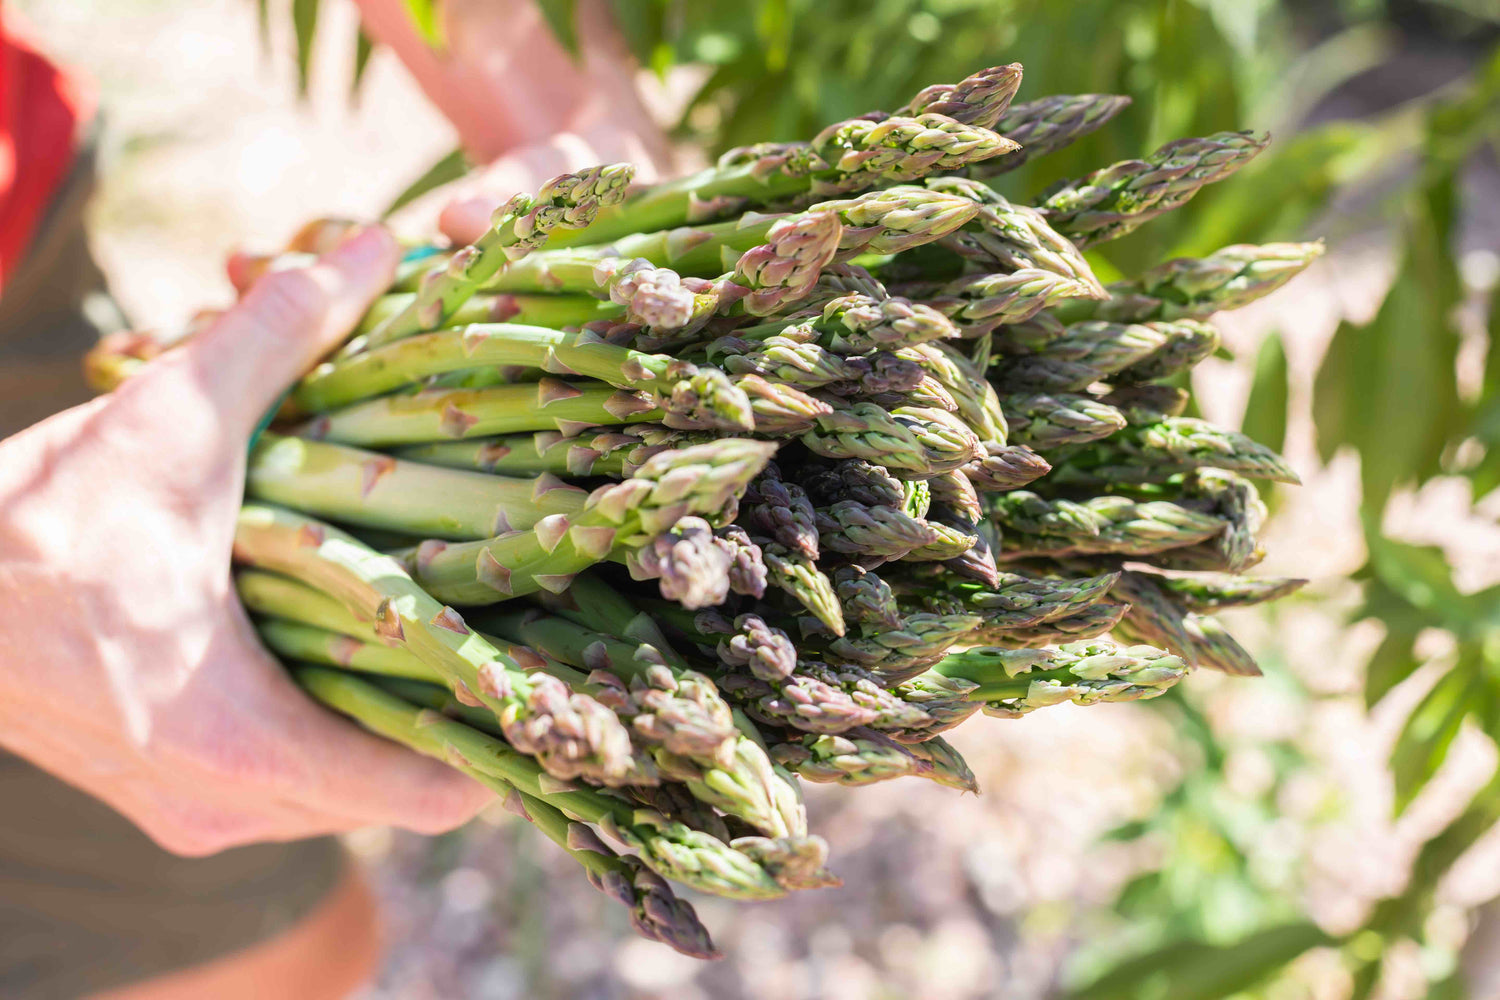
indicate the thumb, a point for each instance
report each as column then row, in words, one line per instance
column 287, row 321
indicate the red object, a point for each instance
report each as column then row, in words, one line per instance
column 41, row 108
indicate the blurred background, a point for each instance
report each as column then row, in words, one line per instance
column 1323, row 832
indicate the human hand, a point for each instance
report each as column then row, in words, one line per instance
column 127, row 666
column 508, row 86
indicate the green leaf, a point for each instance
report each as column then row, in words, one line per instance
column 1391, row 663
column 449, row 168
column 429, row 24
column 1430, row 730
column 305, row 26
column 1192, row 970
column 1266, row 407
column 562, row 18
column 1390, row 388
column 364, row 46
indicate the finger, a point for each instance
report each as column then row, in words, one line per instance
column 287, row 321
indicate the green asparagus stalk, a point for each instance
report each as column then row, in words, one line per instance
column 792, row 572
column 863, row 757
column 1006, row 468
column 1088, row 352
column 895, row 654
column 569, row 201
column 918, row 441
column 655, row 912
column 1197, row 287
column 704, row 399
column 1013, row 682
column 1120, row 525
column 581, row 354
column 1188, row 342
column 1008, row 237
column 1117, row 199
column 1047, row 125
column 701, row 481
column 979, row 99
column 671, row 850
column 1154, row 452
column 818, row 698
column 1147, row 403
column 847, row 157
column 1155, row 617
column 1050, row 420
column 1213, row 647
column 617, row 452
column 556, row 311
column 780, row 511
column 979, row 303
column 1014, row 600
column 873, row 532
column 857, row 323
column 1237, row 502
column 977, row 401
column 1207, row 593
column 277, row 596
column 570, row 734
column 367, row 488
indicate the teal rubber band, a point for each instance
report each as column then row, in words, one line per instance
column 420, row 253
column 265, row 420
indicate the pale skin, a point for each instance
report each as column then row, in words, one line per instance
column 127, row 666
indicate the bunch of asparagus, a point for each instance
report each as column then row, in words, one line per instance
column 890, row 451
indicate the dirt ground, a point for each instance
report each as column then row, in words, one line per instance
column 206, row 148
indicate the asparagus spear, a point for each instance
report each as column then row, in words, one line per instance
column 570, row 734
column 1188, row 342
column 1115, row 200
column 918, row 441
column 977, row 401
column 584, row 353
column 1006, row 468
column 863, row 757
column 1197, row 287
column 978, row 99
column 672, row 850
column 1206, row 593
column 1013, row 682
column 1008, row 237
column 1237, row 502
column 704, row 399
column 780, row 511
column 847, row 157
column 979, row 303
column 1119, row 525
column 1049, row 420
column 371, row 489
column 616, row 452
column 797, row 575
column 655, row 912
column 1090, row 351
column 857, row 323
column 1047, row 125
column 702, row 480
column 1154, row 452
column 569, row 201
column 556, row 311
